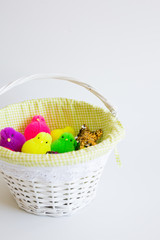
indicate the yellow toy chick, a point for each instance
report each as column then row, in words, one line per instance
column 38, row 145
column 58, row 132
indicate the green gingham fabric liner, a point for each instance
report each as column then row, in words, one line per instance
column 59, row 113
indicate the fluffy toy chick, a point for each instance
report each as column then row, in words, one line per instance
column 56, row 133
column 36, row 126
column 38, row 145
column 66, row 143
column 11, row 139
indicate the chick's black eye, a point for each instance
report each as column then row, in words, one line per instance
column 71, row 140
column 62, row 136
column 12, row 135
column 47, row 142
column 38, row 137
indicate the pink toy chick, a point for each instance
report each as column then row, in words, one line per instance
column 36, row 126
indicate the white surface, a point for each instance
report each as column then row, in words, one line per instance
column 114, row 46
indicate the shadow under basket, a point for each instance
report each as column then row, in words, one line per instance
column 59, row 184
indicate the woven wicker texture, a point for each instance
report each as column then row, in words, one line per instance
column 51, row 199
column 59, row 113
column 53, row 191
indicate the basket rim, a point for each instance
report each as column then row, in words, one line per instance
column 51, row 159
column 54, row 98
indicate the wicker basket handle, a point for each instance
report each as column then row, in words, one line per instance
column 50, row 76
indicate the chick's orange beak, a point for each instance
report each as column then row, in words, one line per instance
column 37, row 119
column 8, row 139
column 66, row 139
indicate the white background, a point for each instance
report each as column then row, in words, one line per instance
column 114, row 46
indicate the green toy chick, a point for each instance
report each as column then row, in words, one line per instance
column 65, row 143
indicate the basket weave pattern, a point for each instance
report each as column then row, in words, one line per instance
column 51, row 199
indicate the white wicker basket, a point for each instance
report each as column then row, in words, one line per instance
column 62, row 192
column 54, row 191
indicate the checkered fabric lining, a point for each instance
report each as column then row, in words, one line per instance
column 59, row 113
